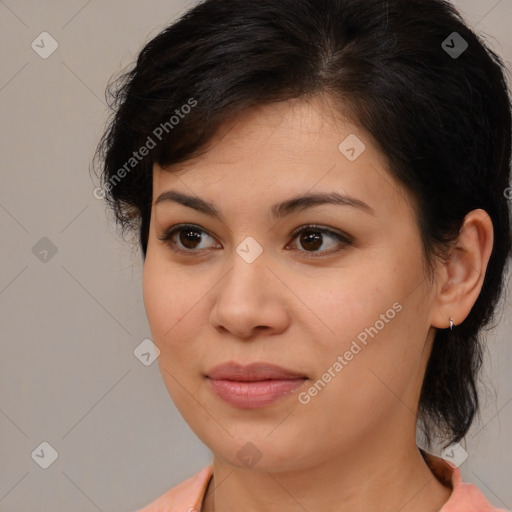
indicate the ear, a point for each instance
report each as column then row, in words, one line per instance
column 461, row 275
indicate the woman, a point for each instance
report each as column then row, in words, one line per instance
column 319, row 189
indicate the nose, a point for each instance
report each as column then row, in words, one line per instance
column 250, row 300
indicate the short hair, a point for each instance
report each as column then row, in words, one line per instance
column 400, row 69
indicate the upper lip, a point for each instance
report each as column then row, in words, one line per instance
column 252, row 372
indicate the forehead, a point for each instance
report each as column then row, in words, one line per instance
column 285, row 148
column 291, row 128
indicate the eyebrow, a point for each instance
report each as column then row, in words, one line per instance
column 278, row 210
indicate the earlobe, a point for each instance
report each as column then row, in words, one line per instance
column 462, row 272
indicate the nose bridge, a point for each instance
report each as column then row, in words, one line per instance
column 249, row 266
column 249, row 250
column 246, row 297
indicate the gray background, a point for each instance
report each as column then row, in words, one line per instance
column 69, row 325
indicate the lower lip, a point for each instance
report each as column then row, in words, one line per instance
column 255, row 394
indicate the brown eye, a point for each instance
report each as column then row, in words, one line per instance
column 188, row 238
column 312, row 238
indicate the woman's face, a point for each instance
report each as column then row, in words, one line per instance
column 348, row 320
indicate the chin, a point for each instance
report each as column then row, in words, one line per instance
column 269, row 453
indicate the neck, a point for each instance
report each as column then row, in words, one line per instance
column 397, row 480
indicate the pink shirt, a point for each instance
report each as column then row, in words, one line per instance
column 188, row 496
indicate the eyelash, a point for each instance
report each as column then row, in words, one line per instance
column 167, row 236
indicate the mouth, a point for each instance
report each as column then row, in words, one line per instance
column 253, row 386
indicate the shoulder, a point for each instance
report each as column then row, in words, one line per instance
column 469, row 497
column 465, row 496
column 185, row 497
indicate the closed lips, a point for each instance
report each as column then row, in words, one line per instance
column 252, row 372
column 253, row 386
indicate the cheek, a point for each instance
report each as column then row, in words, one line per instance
column 370, row 336
column 169, row 304
column 344, row 309
column 160, row 310
column 170, row 308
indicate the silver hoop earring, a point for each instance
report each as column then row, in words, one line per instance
column 451, row 324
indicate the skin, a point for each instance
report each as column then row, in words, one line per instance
column 353, row 446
